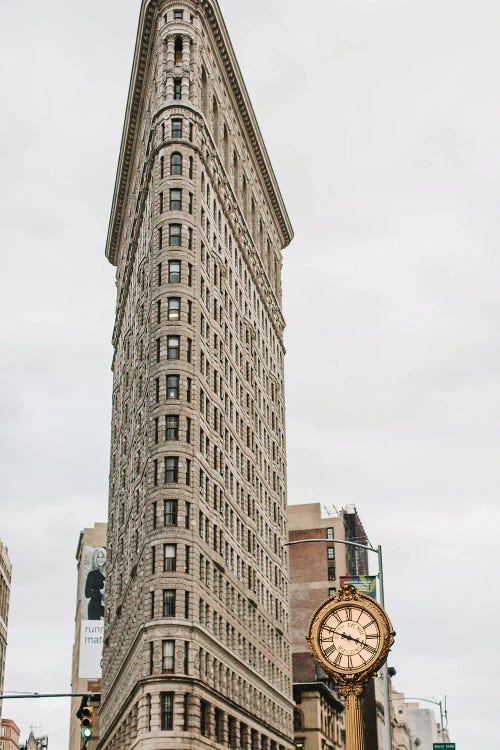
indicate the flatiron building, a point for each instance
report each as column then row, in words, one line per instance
column 197, row 644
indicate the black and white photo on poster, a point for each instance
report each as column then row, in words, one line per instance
column 93, row 582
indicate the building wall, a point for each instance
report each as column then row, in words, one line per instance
column 5, row 581
column 92, row 537
column 9, row 735
column 197, row 502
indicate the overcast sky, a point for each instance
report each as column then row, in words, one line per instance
column 382, row 120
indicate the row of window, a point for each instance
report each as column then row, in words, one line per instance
column 174, row 310
column 214, row 724
column 171, row 428
column 173, row 388
column 174, row 273
column 175, row 236
column 175, row 201
column 174, row 348
column 171, row 470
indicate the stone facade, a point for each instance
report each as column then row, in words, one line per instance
column 196, row 650
column 5, row 579
column 92, row 537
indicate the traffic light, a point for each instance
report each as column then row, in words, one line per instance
column 87, row 721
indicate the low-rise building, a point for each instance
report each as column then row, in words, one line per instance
column 5, row 579
column 9, row 735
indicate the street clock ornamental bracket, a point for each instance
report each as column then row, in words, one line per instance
column 350, row 636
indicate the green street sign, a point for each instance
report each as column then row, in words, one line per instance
column 443, row 746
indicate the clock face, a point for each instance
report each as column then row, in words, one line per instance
column 349, row 638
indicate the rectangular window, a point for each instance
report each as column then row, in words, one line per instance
column 158, row 349
column 329, row 533
column 167, row 711
column 186, row 605
column 177, row 128
column 175, row 235
column 218, row 726
column 157, row 390
column 189, row 349
column 189, row 390
column 203, row 718
column 331, row 553
column 186, row 657
column 173, row 347
column 168, row 656
column 191, row 130
column 162, row 167
column 188, row 515
column 190, row 239
column 190, row 274
column 153, row 559
column 188, row 430
column 170, row 557
column 178, row 15
column 151, row 658
column 174, row 271
column 188, row 559
column 171, row 512
column 175, row 199
column 169, row 603
column 161, row 202
column 189, row 312
column 190, row 204
column 171, row 469
column 152, row 604
column 188, row 471
column 172, row 386
column 160, row 237
column 159, row 274
column 174, row 308
column 177, row 92
column 331, row 573
column 171, row 427
column 332, row 591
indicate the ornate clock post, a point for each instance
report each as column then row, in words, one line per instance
column 350, row 636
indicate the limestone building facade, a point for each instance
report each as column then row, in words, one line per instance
column 5, row 580
column 196, row 649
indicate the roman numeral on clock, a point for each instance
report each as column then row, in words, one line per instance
column 329, row 650
column 370, row 649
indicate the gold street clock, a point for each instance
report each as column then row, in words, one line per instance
column 350, row 636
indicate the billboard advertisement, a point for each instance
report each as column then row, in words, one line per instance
column 93, row 578
column 366, row 584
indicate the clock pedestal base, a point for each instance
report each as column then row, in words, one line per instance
column 354, row 729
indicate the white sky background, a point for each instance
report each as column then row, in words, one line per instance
column 383, row 124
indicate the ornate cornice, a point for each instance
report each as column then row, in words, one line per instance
column 142, row 52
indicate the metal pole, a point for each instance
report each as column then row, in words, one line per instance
column 441, row 730
column 385, row 672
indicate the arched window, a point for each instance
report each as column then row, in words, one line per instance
column 204, row 91
column 178, row 50
column 176, row 163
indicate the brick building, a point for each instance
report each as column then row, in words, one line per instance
column 196, row 650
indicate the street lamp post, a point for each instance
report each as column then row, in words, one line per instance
column 442, row 713
column 385, row 674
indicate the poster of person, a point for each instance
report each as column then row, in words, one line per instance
column 93, row 566
column 93, row 578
